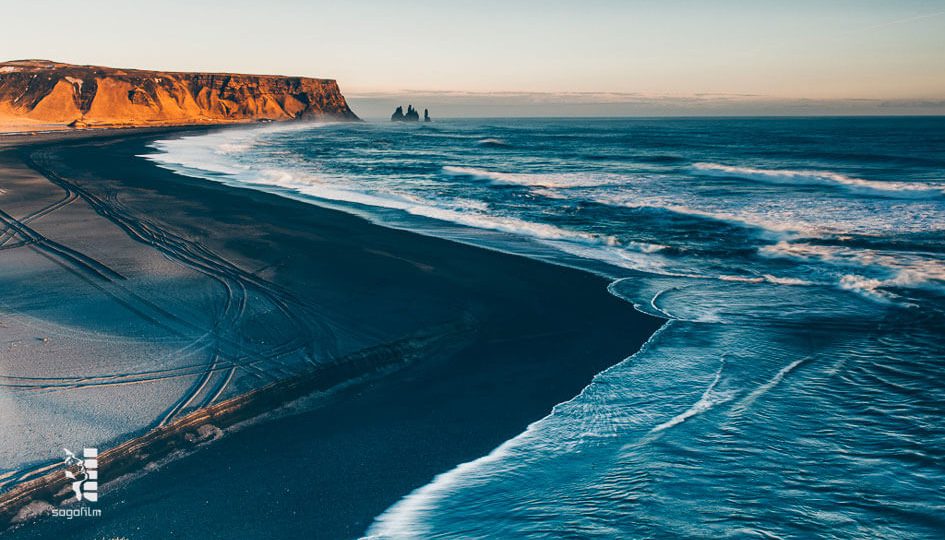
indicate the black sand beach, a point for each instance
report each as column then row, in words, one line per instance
column 537, row 334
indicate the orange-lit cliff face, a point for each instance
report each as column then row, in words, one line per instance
column 40, row 92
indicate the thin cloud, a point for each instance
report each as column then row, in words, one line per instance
column 446, row 103
column 896, row 22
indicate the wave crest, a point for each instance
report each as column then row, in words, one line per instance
column 493, row 143
column 823, row 178
column 554, row 181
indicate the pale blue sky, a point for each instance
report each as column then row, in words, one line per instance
column 671, row 53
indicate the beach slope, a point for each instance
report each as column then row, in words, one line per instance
column 160, row 295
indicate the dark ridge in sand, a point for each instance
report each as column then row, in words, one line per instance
column 44, row 93
column 486, row 343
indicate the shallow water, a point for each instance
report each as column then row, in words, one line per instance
column 799, row 387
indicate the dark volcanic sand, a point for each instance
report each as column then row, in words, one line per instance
column 542, row 333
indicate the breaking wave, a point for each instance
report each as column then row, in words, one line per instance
column 534, row 180
column 823, row 178
column 493, row 143
column 801, row 350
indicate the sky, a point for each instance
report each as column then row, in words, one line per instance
column 550, row 57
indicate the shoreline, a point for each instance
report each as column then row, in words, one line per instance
column 371, row 274
column 59, row 130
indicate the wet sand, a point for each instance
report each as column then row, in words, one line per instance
column 260, row 288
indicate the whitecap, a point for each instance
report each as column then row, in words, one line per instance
column 826, row 178
column 902, row 269
column 558, row 181
column 493, row 143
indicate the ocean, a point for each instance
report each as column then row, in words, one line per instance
column 797, row 387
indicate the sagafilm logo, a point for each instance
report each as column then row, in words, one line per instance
column 83, row 471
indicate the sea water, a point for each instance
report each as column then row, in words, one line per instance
column 798, row 386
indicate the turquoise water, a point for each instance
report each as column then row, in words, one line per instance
column 798, row 387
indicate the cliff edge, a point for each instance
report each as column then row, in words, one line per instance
column 41, row 93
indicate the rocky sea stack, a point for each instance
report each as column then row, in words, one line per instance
column 41, row 92
column 412, row 115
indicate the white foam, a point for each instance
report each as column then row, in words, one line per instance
column 706, row 402
column 218, row 152
column 799, row 249
column 774, row 226
column 556, row 181
column 864, row 285
column 235, row 147
column 405, row 518
column 217, row 156
column 766, row 278
column 506, row 224
column 750, row 399
column 742, row 279
column 214, row 154
column 641, row 256
column 905, row 269
column 709, row 399
column 787, row 280
column 808, row 177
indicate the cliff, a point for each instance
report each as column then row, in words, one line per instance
column 43, row 93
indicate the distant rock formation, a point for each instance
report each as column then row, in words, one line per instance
column 398, row 115
column 44, row 92
column 426, row 115
column 410, row 116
